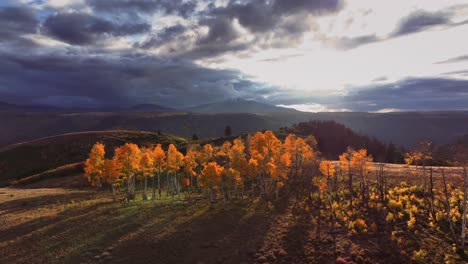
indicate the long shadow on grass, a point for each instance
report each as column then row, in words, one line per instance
column 225, row 234
column 26, row 204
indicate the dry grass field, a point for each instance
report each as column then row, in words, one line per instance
column 59, row 221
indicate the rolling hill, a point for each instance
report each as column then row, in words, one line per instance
column 52, row 152
column 25, row 159
column 404, row 128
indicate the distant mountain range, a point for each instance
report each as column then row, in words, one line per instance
column 21, row 123
column 228, row 106
column 239, row 106
column 47, row 108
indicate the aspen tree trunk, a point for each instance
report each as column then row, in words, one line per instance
column 242, row 191
column 319, row 216
column 131, row 187
column 431, row 193
column 463, row 227
column 447, row 208
column 159, row 182
column 211, row 196
column 113, row 192
column 167, row 184
column 153, row 197
column 143, row 194
column 178, row 187
column 198, row 178
column 145, row 189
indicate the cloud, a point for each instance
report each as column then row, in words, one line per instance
column 82, row 28
column 16, row 21
column 138, row 7
column 411, row 94
column 347, row 43
column 454, row 60
column 125, row 79
column 421, row 20
column 241, row 26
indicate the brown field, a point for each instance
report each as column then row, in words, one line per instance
column 58, row 221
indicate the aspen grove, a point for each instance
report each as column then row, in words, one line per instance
column 352, row 194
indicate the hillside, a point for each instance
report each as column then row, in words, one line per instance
column 25, row 159
column 333, row 139
column 239, row 106
column 19, row 126
column 51, row 152
column 399, row 128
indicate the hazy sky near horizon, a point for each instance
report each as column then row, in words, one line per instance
column 313, row 55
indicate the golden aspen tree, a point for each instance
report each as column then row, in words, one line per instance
column 302, row 165
column 147, row 170
column 94, row 165
column 159, row 157
column 238, row 161
column 328, row 170
column 207, row 153
column 461, row 160
column 361, row 163
column 346, row 168
column 264, row 148
column 252, row 172
column 127, row 159
column 190, row 165
column 222, row 155
column 196, row 150
column 111, row 175
column 175, row 160
column 203, row 156
column 211, row 178
column 223, row 152
column 232, row 180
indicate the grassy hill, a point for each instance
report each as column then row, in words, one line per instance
column 51, row 152
column 25, row 159
column 400, row 128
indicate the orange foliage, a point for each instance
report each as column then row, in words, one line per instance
column 175, row 159
column 159, row 157
column 190, row 162
column 327, row 168
column 211, row 175
column 111, row 172
column 237, row 157
column 186, row 182
column 127, row 159
column 147, row 163
column 94, row 165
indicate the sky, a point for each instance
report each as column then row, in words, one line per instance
column 312, row 55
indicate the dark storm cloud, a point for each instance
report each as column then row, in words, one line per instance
column 269, row 24
column 413, row 94
column 81, row 28
column 136, row 7
column 16, row 21
column 129, row 79
column 421, row 20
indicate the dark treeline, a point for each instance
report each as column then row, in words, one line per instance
column 334, row 138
